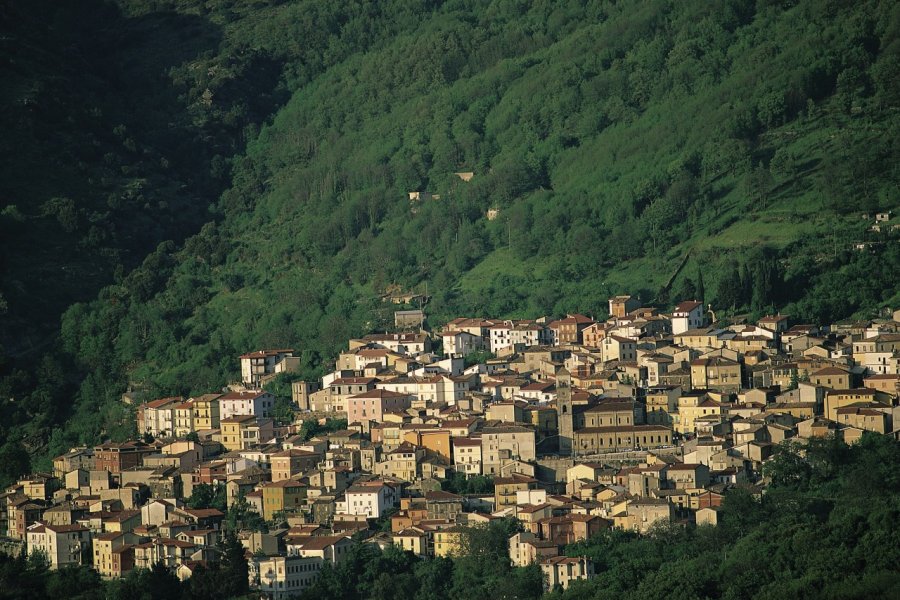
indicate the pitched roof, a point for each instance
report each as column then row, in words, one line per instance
column 162, row 402
column 858, row 391
column 122, row 515
column 353, row 381
column 239, row 419
column 515, row 478
column 713, row 361
column 538, row 386
column 323, row 541
column 41, row 527
column 773, row 319
column 466, row 441
column 441, row 496
column 830, row 371
column 294, row 453
column 245, row 395
column 404, row 448
column 687, row 306
column 612, row 405
column 378, row 393
column 201, row 513
column 267, row 353
column 684, row 466
column 532, row 508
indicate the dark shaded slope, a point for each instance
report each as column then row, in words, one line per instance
column 99, row 163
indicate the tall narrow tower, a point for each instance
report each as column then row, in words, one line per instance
column 565, row 418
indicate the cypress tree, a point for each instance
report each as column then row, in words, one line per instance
column 701, row 289
column 234, row 569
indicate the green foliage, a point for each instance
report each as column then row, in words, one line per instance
column 14, row 461
column 241, row 516
column 478, row 357
column 22, row 578
column 205, row 495
column 311, row 429
column 247, row 186
column 824, row 525
column 476, row 484
column 280, row 386
column 383, row 523
column 156, row 583
column 284, row 411
column 232, row 569
column 484, row 572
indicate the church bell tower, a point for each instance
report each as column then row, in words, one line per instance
column 565, row 419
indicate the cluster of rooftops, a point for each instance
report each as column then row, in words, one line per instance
column 577, row 424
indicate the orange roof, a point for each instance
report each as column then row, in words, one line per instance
column 163, row 402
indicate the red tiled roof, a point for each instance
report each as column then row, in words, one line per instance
column 163, row 402
column 463, row 441
column 687, row 306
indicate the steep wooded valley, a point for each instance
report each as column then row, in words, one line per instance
column 183, row 181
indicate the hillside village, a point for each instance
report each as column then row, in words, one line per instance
column 569, row 426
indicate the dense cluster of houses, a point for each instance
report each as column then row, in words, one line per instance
column 579, row 425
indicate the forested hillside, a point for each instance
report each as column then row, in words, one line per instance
column 616, row 140
column 108, row 148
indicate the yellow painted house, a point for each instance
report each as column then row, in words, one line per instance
column 505, row 488
column 244, row 431
column 206, row 412
column 716, row 373
column 412, row 539
column 836, row 399
column 692, row 407
column 110, row 556
column 450, row 542
column 282, row 497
